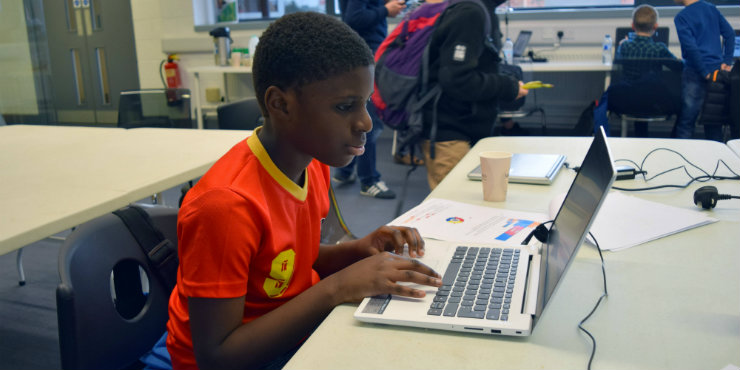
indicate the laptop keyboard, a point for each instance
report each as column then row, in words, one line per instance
column 478, row 284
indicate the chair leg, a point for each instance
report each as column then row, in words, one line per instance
column 544, row 121
column 19, row 263
column 624, row 127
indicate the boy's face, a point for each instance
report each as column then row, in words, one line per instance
column 332, row 119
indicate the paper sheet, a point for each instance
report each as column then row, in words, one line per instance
column 455, row 221
column 625, row 221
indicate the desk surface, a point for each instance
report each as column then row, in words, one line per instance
column 734, row 146
column 670, row 306
column 55, row 177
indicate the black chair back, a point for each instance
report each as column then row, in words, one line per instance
column 239, row 115
column 168, row 108
column 109, row 315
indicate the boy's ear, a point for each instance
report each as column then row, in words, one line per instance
column 633, row 26
column 276, row 101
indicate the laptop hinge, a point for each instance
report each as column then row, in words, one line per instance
column 533, row 279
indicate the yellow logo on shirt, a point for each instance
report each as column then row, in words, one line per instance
column 280, row 272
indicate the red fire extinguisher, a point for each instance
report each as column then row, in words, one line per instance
column 172, row 72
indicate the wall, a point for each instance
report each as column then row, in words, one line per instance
column 167, row 26
column 18, row 92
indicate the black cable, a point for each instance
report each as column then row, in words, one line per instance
column 702, row 178
column 580, row 324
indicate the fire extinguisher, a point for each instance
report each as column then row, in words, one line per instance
column 171, row 77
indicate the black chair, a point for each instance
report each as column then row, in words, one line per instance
column 645, row 90
column 239, row 115
column 168, row 108
column 334, row 230
column 111, row 306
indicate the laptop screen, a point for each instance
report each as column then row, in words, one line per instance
column 521, row 43
column 736, row 54
column 575, row 216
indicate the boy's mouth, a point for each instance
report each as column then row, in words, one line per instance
column 357, row 150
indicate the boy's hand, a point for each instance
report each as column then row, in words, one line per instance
column 522, row 91
column 726, row 67
column 394, row 7
column 380, row 274
column 394, row 239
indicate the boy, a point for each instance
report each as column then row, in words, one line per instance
column 643, row 58
column 248, row 287
column 699, row 26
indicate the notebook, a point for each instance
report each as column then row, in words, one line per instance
column 530, row 168
column 510, row 300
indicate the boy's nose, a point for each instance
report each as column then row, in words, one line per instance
column 366, row 123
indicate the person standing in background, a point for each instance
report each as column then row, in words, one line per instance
column 368, row 19
column 699, row 26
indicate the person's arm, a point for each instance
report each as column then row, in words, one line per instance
column 333, row 258
column 220, row 340
column 459, row 74
column 728, row 34
column 360, row 16
column 689, row 48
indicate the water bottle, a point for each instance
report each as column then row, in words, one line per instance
column 509, row 51
column 606, row 50
column 253, row 41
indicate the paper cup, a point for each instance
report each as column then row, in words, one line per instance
column 495, row 175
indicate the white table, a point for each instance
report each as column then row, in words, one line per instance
column 55, row 177
column 197, row 71
column 673, row 303
column 735, row 146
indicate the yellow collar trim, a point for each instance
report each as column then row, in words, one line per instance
column 259, row 151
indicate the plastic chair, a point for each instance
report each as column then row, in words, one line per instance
column 239, row 115
column 168, row 108
column 525, row 111
column 334, row 230
column 645, row 90
column 101, row 260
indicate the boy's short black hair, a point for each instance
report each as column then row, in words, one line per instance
column 305, row 47
column 644, row 17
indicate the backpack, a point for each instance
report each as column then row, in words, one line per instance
column 402, row 72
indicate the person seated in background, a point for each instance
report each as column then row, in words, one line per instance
column 253, row 281
column 641, row 60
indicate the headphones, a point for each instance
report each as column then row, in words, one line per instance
column 707, row 196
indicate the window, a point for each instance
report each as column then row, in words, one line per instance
column 551, row 4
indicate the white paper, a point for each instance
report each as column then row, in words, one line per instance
column 455, row 221
column 625, row 221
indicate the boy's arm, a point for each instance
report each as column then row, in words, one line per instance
column 335, row 257
column 359, row 16
column 728, row 34
column 461, row 29
column 220, row 340
column 688, row 45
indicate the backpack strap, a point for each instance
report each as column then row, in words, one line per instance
column 161, row 252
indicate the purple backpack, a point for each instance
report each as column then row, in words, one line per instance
column 402, row 71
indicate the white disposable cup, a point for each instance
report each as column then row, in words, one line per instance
column 495, row 167
column 236, row 59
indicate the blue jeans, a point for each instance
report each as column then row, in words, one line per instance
column 693, row 91
column 365, row 163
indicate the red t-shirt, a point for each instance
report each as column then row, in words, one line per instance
column 245, row 229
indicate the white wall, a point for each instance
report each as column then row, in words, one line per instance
column 18, row 89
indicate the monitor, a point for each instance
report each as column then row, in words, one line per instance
column 660, row 35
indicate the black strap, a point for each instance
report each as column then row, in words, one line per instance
column 160, row 251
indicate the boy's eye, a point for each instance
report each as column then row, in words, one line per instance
column 345, row 107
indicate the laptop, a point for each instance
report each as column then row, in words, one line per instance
column 530, row 168
column 509, row 301
column 520, row 45
column 661, row 34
